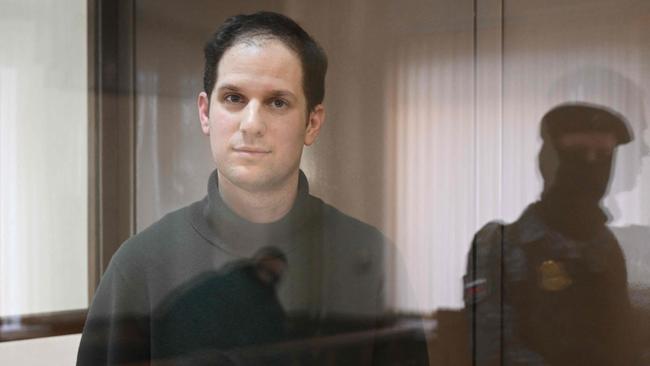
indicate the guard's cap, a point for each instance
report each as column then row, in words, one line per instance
column 584, row 117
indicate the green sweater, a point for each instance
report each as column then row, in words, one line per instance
column 185, row 290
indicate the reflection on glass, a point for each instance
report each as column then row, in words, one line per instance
column 236, row 306
column 551, row 288
column 183, row 292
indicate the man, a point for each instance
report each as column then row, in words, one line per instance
column 262, row 102
column 551, row 288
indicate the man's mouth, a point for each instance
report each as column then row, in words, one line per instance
column 251, row 150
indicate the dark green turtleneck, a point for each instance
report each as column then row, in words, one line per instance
column 334, row 266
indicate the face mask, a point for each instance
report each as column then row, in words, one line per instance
column 571, row 174
column 580, row 177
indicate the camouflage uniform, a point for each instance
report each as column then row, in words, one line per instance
column 536, row 297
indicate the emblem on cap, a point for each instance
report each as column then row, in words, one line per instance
column 553, row 276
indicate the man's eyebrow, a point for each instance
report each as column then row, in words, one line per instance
column 274, row 93
column 282, row 93
column 229, row 87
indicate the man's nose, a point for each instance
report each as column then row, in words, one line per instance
column 252, row 122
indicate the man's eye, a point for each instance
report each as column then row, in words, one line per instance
column 233, row 98
column 279, row 103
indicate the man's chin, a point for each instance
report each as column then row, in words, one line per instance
column 251, row 180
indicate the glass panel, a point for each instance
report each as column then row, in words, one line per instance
column 565, row 281
column 43, row 157
column 433, row 129
column 312, row 287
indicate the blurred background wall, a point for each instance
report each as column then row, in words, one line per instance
column 43, row 169
column 43, row 156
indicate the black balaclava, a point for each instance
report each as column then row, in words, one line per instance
column 574, row 185
column 569, row 173
column 573, row 189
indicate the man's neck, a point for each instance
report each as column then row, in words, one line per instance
column 259, row 206
column 576, row 217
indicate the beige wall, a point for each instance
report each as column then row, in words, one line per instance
column 43, row 169
column 43, row 156
column 51, row 351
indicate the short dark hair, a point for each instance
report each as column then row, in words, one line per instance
column 271, row 25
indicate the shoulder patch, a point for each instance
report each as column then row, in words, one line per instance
column 482, row 261
column 475, row 289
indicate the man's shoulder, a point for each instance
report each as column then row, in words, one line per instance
column 489, row 237
column 495, row 233
column 494, row 242
column 158, row 238
column 349, row 228
column 490, row 231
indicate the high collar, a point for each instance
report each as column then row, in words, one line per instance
column 222, row 227
column 532, row 225
column 575, row 217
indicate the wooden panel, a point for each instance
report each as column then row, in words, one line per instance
column 41, row 325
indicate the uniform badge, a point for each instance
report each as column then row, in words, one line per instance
column 553, row 276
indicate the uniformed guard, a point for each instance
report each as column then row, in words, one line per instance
column 551, row 288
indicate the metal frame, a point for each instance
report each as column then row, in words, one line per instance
column 114, row 124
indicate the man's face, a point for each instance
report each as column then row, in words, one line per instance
column 584, row 164
column 256, row 117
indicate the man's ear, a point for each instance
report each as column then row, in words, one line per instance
column 203, row 104
column 315, row 120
